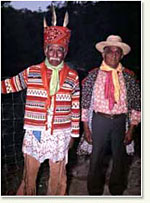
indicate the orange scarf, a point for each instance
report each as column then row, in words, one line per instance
column 112, row 86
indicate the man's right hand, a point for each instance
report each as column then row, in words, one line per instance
column 87, row 133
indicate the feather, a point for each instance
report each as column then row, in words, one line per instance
column 44, row 22
column 54, row 18
column 66, row 19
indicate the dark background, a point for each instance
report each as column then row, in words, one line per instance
column 22, row 46
column 90, row 22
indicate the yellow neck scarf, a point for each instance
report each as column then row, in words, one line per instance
column 54, row 81
column 115, row 79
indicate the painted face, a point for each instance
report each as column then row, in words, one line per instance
column 112, row 56
column 55, row 54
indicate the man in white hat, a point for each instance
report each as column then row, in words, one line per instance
column 112, row 94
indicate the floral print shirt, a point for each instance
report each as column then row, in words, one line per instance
column 129, row 102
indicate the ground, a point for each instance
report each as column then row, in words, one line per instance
column 77, row 178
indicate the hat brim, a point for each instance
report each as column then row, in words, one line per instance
column 101, row 45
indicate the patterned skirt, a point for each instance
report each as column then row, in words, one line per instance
column 53, row 147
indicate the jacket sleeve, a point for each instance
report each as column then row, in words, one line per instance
column 15, row 83
column 85, row 103
column 75, row 108
column 87, row 88
column 135, row 116
column 133, row 98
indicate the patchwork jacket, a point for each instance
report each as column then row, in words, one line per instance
column 132, row 89
column 66, row 108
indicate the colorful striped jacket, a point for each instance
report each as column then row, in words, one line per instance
column 66, row 109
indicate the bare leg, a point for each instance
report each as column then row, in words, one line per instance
column 28, row 184
column 57, row 179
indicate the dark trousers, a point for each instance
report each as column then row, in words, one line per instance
column 108, row 135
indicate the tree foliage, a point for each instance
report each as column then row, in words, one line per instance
column 90, row 22
column 5, row 3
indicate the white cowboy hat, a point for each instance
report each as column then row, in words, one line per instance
column 113, row 40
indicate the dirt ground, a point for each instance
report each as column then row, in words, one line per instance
column 77, row 178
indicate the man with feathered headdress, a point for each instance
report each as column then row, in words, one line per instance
column 52, row 113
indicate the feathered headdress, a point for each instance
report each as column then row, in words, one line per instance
column 57, row 34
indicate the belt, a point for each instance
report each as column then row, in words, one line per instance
column 111, row 116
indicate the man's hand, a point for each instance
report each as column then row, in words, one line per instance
column 87, row 133
column 129, row 135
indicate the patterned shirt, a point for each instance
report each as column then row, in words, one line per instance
column 100, row 104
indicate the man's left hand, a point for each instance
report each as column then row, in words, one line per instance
column 129, row 135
